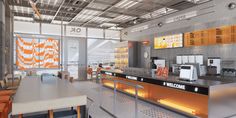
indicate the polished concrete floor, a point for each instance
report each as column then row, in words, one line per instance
column 101, row 104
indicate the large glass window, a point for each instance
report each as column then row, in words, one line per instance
column 36, row 53
column 101, row 51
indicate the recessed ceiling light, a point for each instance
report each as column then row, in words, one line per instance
column 232, row 5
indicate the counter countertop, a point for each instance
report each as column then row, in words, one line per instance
column 205, row 81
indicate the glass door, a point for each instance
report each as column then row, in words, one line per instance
column 73, row 57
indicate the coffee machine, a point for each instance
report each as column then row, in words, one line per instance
column 214, row 65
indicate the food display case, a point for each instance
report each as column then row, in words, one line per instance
column 125, row 53
column 121, row 57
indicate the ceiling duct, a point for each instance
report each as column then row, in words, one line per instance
column 181, row 4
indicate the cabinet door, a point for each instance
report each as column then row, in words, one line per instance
column 226, row 34
column 197, row 38
column 204, row 37
column 212, row 36
column 187, row 40
column 233, row 34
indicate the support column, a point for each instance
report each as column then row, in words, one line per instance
column 8, row 38
column 2, row 39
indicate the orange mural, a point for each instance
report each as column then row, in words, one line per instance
column 34, row 54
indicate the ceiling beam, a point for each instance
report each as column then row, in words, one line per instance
column 89, row 8
column 80, row 11
column 104, row 11
column 58, row 10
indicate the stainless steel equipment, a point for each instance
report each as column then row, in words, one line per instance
column 214, row 65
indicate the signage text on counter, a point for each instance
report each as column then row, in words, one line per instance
column 131, row 77
column 173, row 85
column 107, row 73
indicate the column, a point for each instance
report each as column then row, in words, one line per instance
column 2, row 39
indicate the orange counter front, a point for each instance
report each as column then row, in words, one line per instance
column 183, row 97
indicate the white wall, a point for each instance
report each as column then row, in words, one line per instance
column 71, row 31
column 26, row 27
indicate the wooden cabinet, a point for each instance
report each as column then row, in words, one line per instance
column 197, row 38
column 213, row 36
column 187, row 40
column 233, row 34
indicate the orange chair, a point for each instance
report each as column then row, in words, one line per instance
column 3, row 110
column 7, row 100
column 7, row 92
column 90, row 72
column 7, row 105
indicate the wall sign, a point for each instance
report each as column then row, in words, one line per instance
column 181, row 17
column 171, row 41
column 75, row 31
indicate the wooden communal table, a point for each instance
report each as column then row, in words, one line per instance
column 36, row 95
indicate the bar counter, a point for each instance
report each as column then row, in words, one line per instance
column 206, row 97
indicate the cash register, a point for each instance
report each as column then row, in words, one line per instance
column 188, row 73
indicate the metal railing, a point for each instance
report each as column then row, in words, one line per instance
column 136, row 86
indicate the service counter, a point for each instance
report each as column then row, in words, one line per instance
column 207, row 97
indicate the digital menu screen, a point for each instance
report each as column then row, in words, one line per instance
column 171, row 41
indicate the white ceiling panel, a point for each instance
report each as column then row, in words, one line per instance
column 123, row 18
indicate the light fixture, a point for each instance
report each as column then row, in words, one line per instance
column 160, row 24
column 132, row 92
column 177, row 106
column 109, row 84
column 33, row 5
column 232, row 5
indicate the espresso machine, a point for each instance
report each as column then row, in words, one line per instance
column 214, row 65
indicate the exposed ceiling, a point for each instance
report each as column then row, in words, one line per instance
column 113, row 14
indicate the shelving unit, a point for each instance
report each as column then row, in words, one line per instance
column 121, row 57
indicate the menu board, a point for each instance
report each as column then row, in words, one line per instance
column 171, row 41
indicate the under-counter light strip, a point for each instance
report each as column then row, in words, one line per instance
column 109, row 84
column 177, row 106
column 132, row 91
